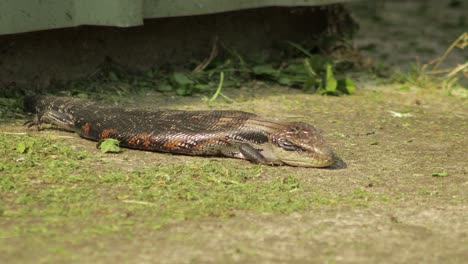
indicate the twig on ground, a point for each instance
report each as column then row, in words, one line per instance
column 214, row 52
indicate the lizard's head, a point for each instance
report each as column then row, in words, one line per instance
column 300, row 144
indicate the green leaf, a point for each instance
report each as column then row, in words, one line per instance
column 265, row 70
column 203, row 87
column 218, row 90
column 300, row 48
column 440, row 174
column 285, row 81
column 109, row 145
column 311, row 85
column 184, row 91
column 312, row 73
column 404, row 88
column 165, row 87
column 150, row 74
column 182, row 79
column 330, row 82
column 113, row 76
column 296, row 69
column 7, row 101
column 318, row 62
column 347, row 86
column 21, row 148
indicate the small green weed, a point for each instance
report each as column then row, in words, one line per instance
column 313, row 74
column 430, row 76
column 440, row 174
column 109, row 145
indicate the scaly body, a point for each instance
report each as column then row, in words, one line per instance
column 207, row 133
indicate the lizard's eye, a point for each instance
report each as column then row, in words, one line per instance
column 287, row 145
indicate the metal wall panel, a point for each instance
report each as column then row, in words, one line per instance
column 18, row 16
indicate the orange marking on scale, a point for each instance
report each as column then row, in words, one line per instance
column 85, row 128
column 107, row 132
column 172, row 144
column 141, row 139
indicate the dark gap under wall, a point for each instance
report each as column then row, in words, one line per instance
column 38, row 59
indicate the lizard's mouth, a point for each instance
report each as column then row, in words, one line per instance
column 304, row 160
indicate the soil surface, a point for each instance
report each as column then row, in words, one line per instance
column 397, row 195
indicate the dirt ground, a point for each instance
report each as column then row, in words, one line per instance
column 403, row 172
